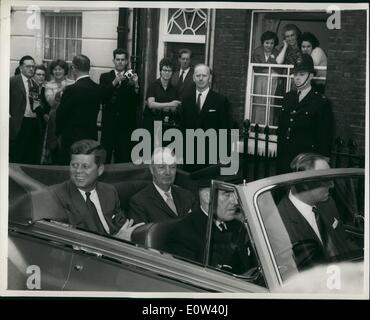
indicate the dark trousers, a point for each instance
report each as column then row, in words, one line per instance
column 117, row 142
column 27, row 146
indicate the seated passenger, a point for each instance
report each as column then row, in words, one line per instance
column 161, row 200
column 311, row 218
column 87, row 203
column 229, row 241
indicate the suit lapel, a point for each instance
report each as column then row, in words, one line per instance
column 158, row 200
column 78, row 204
column 105, row 206
column 178, row 203
column 297, row 222
column 21, row 86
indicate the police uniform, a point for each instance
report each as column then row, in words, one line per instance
column 305, row 126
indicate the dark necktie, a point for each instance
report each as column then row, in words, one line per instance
column 30, row 93
column 94, row 215
column 320, row 224
column 198, row 102
column 298, row 95
column 181, row 76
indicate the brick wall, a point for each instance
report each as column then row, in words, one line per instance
column 346, row 76
column 231, row 51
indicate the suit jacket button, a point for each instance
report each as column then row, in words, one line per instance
column 291, row 119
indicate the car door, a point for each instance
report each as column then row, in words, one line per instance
column 234, row 252
column 39, row 258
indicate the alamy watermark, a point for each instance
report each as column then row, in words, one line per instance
column 201, row 146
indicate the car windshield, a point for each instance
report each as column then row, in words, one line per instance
column 313, row 222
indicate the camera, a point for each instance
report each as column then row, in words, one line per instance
column 129, row 73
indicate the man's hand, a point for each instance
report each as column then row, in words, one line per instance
column 118, row 79
column 125, row 232
column 173, row 105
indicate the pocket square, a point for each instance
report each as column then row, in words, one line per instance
column 190, row 211
column 335, row 223
column 212, row 110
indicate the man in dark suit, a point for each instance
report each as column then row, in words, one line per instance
column 204, row 109
column 77, row 114
column 161, row 200
column 230, row 248
column 182, row 80
column 120, row 96
column 306, row 119
column 25, row 135
column 87, row 203
column 311, row 218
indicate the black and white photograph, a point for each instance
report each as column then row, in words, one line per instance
column 177, row 150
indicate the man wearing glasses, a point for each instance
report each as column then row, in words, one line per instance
column 24, row 134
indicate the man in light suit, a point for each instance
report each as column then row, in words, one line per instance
column 182, row 80
column 77, row 114
column 161, row 200
column 120, row 96
column 311, row 217
column 25, row 136
column 87, row 203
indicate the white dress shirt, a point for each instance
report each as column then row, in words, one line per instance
column 184, row 73
column 95, row 200
column 306, row 212
column 28, row 112
column 219, row 223
column 163, row 193
column 202, row 97
column 304, row 93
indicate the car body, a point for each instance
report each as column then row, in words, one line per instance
column 46, row 254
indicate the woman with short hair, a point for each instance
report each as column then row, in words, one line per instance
column 53, row 93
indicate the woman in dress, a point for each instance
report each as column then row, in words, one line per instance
column 266, row 53
column 53, row 93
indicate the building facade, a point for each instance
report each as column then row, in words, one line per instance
column 222, row 38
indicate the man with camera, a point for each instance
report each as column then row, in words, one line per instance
column 120, row 98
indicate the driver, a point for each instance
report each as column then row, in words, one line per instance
column 229, row 240
column 311, row 218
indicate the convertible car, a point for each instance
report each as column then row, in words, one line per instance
column 46, row 254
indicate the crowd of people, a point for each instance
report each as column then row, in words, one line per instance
column 295, row 43
column 47, row 117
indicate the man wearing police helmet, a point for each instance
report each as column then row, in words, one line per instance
column 306, row 118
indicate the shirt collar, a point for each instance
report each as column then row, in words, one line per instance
column 83, row 193
column 185, row 71
column 302, row 207
column 162, row 192
column 24, row 78
column 81, row 77
column 204, row 93
column 119, row 72
column 218, row 224
column 304, row 92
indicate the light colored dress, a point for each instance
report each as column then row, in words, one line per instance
column 319, row 59
column 260, row 84
column 53, row 94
